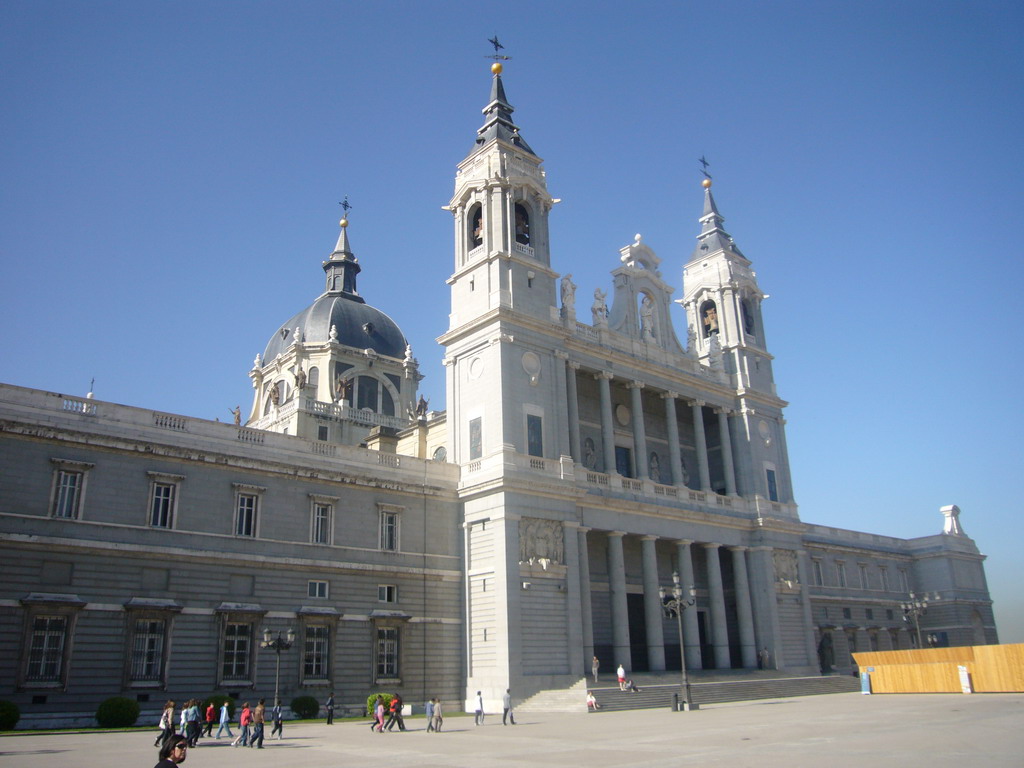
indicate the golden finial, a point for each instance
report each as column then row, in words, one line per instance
column 706, row 183
column 496, row 67
column 343, row 223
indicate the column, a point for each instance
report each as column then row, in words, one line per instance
column 561, row 414
column 803, row 571
column 702, row 447
column 574, row 410
column 691, row 633
column 586, row 608
column 652, row 606
column 765, row 604
column 719, row 629
column 617, row 595
column 744, row 612
column 607, row 430
column 578, row 663
column 672, row 427
column 639, row 431
column 726, row 439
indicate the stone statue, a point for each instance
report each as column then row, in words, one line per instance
column 599, row 309
column 237, row 413
column 540, row 541
column 589, row 457
column 647, row 319
column 691, row 341
column 275, row 395
column 300, row 379
column 825, row 655
column 654, row 468
column 568, row 296
column 786, row 568
column 421, row 408
column 343, row 389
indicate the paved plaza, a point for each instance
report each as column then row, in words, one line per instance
column 837, row 730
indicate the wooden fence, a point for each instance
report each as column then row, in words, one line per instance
column 992, row 668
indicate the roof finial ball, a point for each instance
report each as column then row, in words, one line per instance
column 343, row 223
column 706, row 183
column 496, row 67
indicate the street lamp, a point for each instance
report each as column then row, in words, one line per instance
column 674, row 605
column 914, row 609
column 278, row 644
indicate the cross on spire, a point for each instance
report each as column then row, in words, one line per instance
column 497, row 47
column 345, row 206
column 703, row 161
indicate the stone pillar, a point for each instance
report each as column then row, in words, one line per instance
column 586, row 608
column 617, row 595
column 561, row 411
column 574, row 410
column 691, row 633
column 744, row 612
column 652, row 606
column 765, row 604
column 702, row 447
column 639, row 430
column 672, row 428
column 573, row 604
column 607, row 429
column 803, row 571
column 730, row 471
column 716, row 594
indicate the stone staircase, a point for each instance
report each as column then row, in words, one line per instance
column 707, row 687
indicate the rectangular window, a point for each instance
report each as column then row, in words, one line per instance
column 864, row 583
column 884, row 572
column 623, row 461
column 389, row 531
column 476, row 442
column 322, row 514
column 237, row 649
column 162, row 507
column 147, row 660
column 387, row 593
column 245, row 517
column 888, row 615
column 321, row 432
column 773, row 488
column 46, row 649
column 869, row 614
column 316, row 653
column 69, row 493
column 534, row 435
column 387, row 652
column 846, row 613
column 904, row 581
column 317, row 589
column 818, row 576
column 841, row 574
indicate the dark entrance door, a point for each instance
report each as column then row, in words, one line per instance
column 637, row 633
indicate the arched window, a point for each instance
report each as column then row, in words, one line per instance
column 708, row 318
column 747, row 311
column 522, row 225
column 476, row 226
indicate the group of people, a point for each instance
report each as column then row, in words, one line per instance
column 393, row 710
column 193, row 724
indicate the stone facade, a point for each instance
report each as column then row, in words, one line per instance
column 498, row 544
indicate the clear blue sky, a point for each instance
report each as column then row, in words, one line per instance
column 171, row 172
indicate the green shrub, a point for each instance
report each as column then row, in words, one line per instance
column 306, row 707
column 9, row 715
column 371, row 701
column 117, row 712
column 217, row 699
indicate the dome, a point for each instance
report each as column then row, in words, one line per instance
column 359, row 325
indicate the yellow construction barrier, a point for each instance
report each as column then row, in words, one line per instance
column 989, row 669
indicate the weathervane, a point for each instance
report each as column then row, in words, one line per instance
column 703, row 161
column 345, row 206
column 497, row 47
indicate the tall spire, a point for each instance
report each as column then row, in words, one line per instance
column 343, row 267
column 498, row 116
column 713, row 236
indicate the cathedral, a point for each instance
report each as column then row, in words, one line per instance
column 588, row 458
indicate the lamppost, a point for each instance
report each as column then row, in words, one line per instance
column 278, row 644
column 674, row 605
column 914, row 609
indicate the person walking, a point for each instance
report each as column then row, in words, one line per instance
column 166, row 724
column 438, row 719
column 395, row 714
column 244, row 721
column 225, row 721
column 194, row 723
column 258, row 719
column 378, row 714
column 329, row 706
column 278, row 722
column 211, row 718
column 429, row 707
column 506, row 707
column 621, row 672
column 594, row 666
column 478, row 717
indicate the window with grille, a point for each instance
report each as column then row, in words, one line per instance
column 322, row 514
column 317, row 589
column 389, row 531
column 387, row 593
column 317, row 652
column 46, row 649
column 69, row 493
column 841, row 574
column 162, row 507
column 387, row 652
column 237, row 650
column 148, row 649
column 245, row 517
